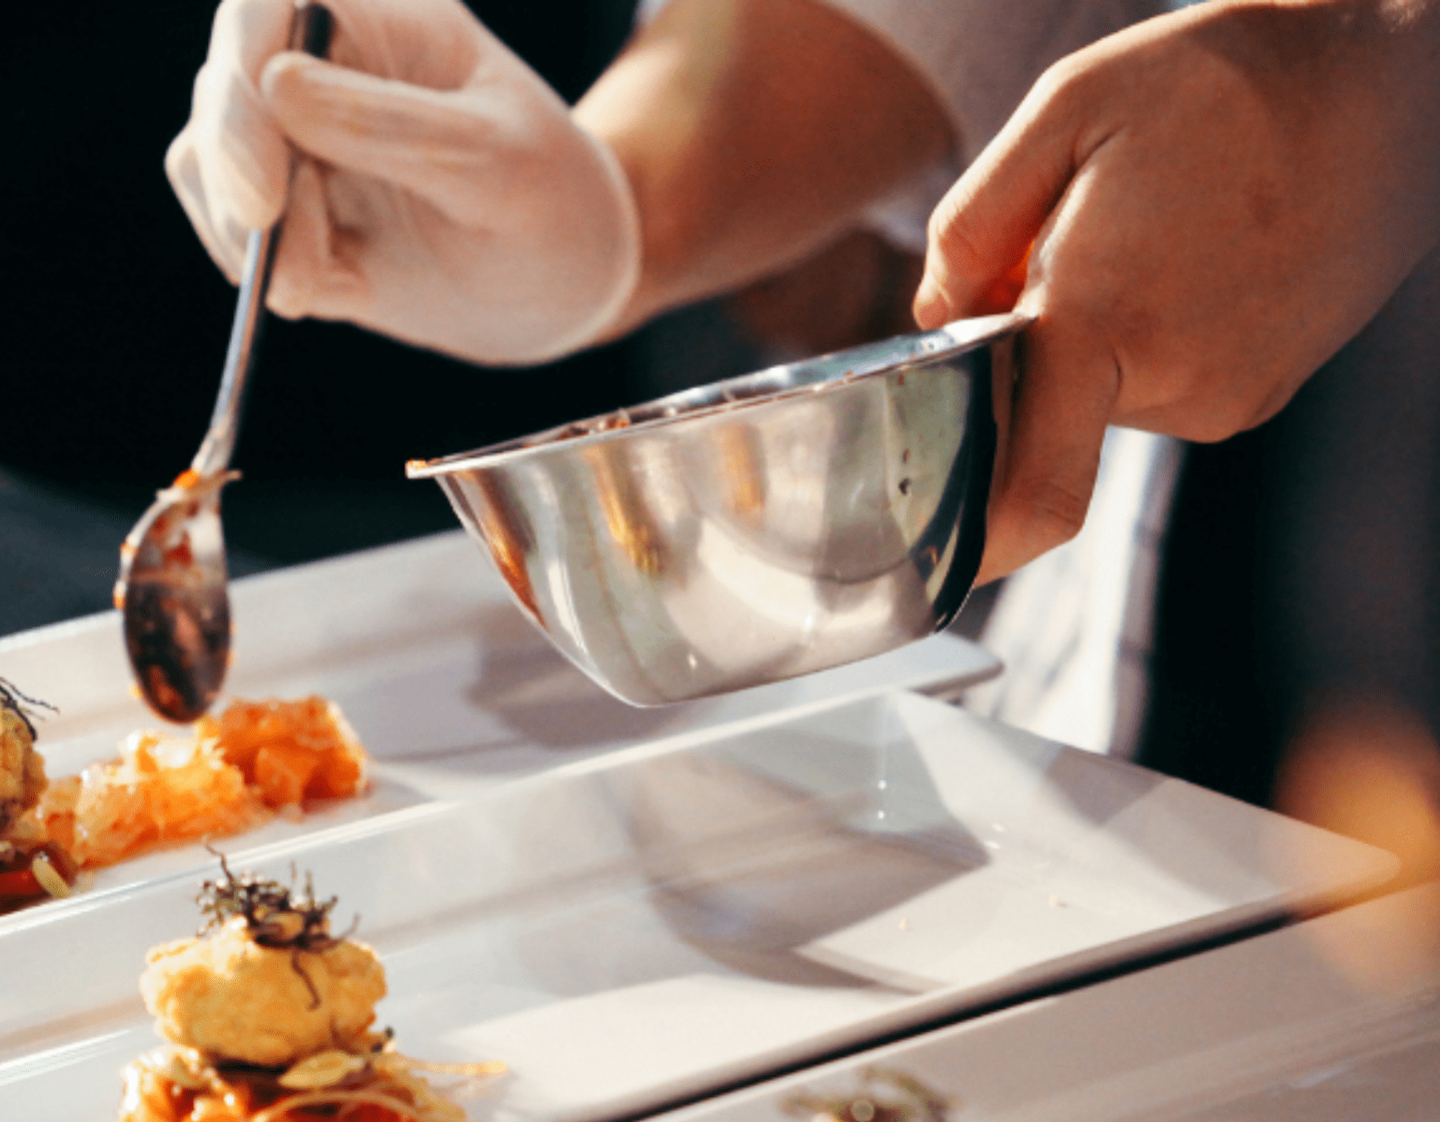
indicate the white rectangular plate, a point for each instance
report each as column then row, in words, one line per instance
column 1336, row 1019
column 450, row 688
column 647, row 927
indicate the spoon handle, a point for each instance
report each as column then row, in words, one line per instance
column 310, row 31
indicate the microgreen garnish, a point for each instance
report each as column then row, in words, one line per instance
column 19, row 704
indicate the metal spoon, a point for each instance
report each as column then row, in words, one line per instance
column 172, row 587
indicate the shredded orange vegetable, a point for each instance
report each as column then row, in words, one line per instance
column 230, row 775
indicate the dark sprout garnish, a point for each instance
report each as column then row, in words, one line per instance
column 19, row 704
column 275, row 916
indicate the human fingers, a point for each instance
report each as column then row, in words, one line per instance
column 457, row 149
column 492, row 178
column 983, row 228
column 242, row 156
column 1055, row 405
column 1055, row 391
column 314, row 272
column 182, row 168
column 228, row 164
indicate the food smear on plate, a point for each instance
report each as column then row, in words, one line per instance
column 883, row 1095
column 32, row 866
column 270, row 1019
column 230, row 774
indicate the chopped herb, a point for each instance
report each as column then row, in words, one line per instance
column 15, row 701
column 275, row 915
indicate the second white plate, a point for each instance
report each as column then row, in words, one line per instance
column 654, row 925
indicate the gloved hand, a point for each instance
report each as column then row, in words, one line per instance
column 442, row 196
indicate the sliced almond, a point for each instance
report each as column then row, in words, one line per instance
column 183, row 1067
column 324, row 1069
column 50, row 880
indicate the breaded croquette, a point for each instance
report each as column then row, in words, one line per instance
column 269, row 1014
column 226, row 995
column 22, row 770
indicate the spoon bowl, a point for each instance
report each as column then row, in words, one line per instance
column 173, row 595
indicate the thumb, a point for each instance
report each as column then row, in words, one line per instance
column 981, row 232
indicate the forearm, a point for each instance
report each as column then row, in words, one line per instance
column 752, row 132
column 1372, row 89
column 1412, row 34
column 1384, row 60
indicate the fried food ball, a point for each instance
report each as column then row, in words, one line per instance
column 22, row 770
column 236, row 1000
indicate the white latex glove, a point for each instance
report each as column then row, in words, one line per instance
column 444, row 196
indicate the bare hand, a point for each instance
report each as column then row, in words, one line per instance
column 1217, row 200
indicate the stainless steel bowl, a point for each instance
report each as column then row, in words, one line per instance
column 755, row 529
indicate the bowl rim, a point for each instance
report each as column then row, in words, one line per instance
column 899, row 353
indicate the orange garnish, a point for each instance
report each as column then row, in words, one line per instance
column 226, row 778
